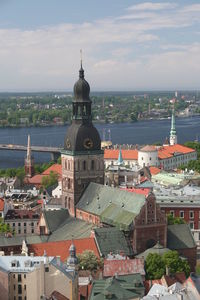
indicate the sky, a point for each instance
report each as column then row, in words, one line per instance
column 127, row 45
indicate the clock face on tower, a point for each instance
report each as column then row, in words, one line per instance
column 88, row 143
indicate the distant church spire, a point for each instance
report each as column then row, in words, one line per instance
column 173, row 135
column 120, row 158
column 29, row 162
column 29, row 148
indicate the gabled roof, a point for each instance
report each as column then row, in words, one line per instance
column 123, row 287
column 97, row 199
column 179, row 236
column 112, row 240
column 131, row 154
column 158, row 249
column 61, row 248
column 123, row 267
column 55, row 218
column 171, row 150
column 56, row 168
column 154, row 170
column 37, row 179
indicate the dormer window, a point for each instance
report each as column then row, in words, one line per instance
column 14, row 263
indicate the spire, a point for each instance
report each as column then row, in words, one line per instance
column 173, row 135
column 81, row 71
column 29, row 148
column 120, row 159
column 72, row 260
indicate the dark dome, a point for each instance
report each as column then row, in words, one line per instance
column 82, row 137
column 81, row 88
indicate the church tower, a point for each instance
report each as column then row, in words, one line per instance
column 29, row 162
column 82, row 158
column 173, row 135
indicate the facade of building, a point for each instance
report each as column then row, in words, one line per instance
column 82, row 157
column 167, row 157
column 33, row 278
column 22, row 222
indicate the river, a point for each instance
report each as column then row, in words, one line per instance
column 143, row 132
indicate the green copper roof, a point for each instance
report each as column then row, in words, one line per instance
column 120, row 159
column 115, row 216
column 112, row 240
column 173, row 128
column 123, row 287
column 100, row 200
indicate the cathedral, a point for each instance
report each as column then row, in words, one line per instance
column 82, row 158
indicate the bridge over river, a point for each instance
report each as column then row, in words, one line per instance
column 55, row 151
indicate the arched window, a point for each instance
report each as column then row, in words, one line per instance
column 68, row 183
column 92, row 165
column 68, row 165
column 84, row 165
column 69, row 203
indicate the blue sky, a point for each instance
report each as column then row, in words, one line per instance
column 127, row 45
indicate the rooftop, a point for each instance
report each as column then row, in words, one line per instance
column 123, row 267
column 61, row 248
column 21, row 263
column 112, row 240
column 114, row 206
column 13, row 214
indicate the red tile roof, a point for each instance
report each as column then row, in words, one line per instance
column 168, row 151
column 141, row 191
column 123, row 267
column 163, row 152
column 61, row 248
column 56, row 168
column 37, row 179
column 148, row 148
column 131, row 154
column 154, row 170
column 1, row 204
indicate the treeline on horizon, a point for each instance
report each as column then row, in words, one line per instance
column 41, row 110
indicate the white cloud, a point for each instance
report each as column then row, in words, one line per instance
column 153, row 6
column 48, row 58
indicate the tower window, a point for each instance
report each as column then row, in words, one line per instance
column 68, row 183
column 84, row 165
column 69, row 200
column 92, row 165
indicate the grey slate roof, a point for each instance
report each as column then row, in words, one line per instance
column 112, row 240
column 179, row 236
column 72, row 228
column 101, row 200
column 158, row 249
column 55, row 218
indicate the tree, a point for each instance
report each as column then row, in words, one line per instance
column 50, row 180
column 175, row 263
column 89, row 261
column 156, row 264
column 155, row 267
column 174, row 220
